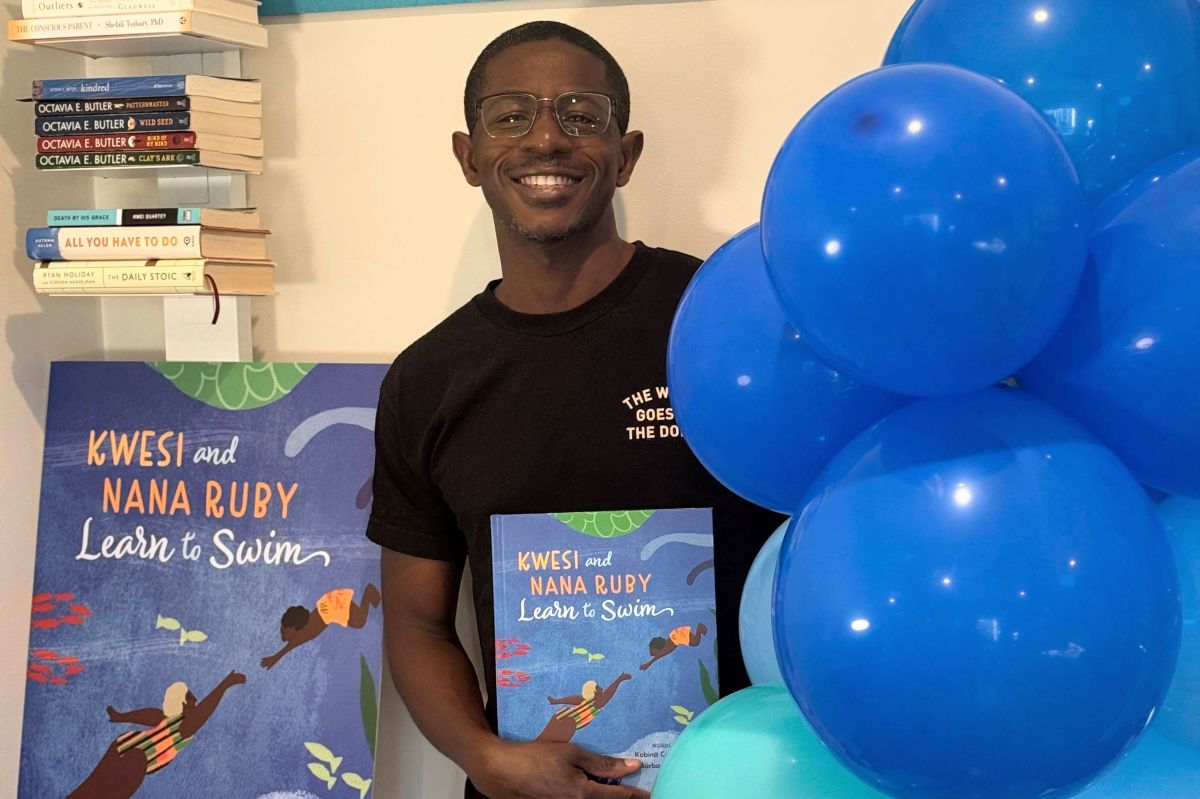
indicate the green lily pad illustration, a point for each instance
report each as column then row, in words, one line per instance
column 233, row 386
column 605, row 523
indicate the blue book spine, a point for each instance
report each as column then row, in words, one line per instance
column 111, row 123
column 89, row 88
column 41, row 244
column 605, row 629
column 83, row 217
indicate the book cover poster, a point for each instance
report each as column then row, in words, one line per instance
column 205, row 618
column 605, row 629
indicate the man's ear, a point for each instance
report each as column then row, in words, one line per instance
column 631, row 150
column 461, row 144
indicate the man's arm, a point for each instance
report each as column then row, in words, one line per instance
column 435, row 678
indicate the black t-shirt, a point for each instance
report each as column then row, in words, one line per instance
column 495, row 411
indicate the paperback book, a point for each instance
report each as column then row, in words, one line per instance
column 605, row 629
column 197, row 121
column 205, row 616
column 155, row 276
column 239, row 218
column 149, row 158
column 243, row 90
column 163, row 241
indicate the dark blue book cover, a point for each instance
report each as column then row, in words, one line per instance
column 111, row 123
column 88, row 88
column 605, row 629
column 205, row 617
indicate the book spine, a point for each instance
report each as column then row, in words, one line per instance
column 149, row 279
column 89, row 217
column 20, row 30
column 184, row 140
column 43, row 9
column 117, row 105
column 91, row 88
column 126, row 217
column 107, row 243
column 117, row 159
column 111, row 123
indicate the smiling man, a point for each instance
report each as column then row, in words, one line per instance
column 533, row 398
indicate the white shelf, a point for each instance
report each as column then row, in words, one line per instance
column 166, row 44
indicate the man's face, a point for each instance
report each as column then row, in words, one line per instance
column 547, row 185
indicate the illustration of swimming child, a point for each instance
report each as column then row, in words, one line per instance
column 582, row 711
column 680, row 636
column 135, row 755
column 299, row 625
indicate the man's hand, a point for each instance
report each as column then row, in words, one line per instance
column 542, row 770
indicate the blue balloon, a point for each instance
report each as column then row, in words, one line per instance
column 760, row 411
column 1118, row 79
column 924, row 229
column 756, row 627
column 1126, row 361
column 978, row 603
column 754, row 743
column 1180, row 716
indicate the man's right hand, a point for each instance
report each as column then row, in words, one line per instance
column 539, row 770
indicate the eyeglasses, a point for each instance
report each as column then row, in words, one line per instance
column 510, row 116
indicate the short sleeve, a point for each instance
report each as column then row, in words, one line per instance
column 408, row 513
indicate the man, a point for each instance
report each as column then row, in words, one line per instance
column 533, row 398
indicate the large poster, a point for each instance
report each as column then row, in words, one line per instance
column 276, row 8
column 206, row 612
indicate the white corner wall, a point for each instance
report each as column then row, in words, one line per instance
column 376, row 234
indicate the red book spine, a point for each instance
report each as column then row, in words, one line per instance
column 177, row 140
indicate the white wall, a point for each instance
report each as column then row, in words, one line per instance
column 376, row 234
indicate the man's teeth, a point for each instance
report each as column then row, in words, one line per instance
column 547, row 180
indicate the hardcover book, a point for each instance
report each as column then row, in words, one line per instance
column 205, row 618
column 605, row 629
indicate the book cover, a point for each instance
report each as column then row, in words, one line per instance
column 605, row 629
column 164, row 241
column 111, row 123
column 205, row 616
column 181, row 140
column 116, row 105
column 146, row 86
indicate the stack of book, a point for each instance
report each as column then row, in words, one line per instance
column 151, row 251
column 149, row 121
column 117, row 27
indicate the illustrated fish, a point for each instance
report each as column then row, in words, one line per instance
column 42, row 598
column 58, row 680
column 43, row 607
column 193, row 636
column 66, row 659
column 166, row 623
column 71, row 619
column 45, row 654
column 321, row 752
column 63, row 597
column 578, row 650
column 80, row 610
column 71, row 671
column 37, row 676
column 44, row 624
column 320, row 772
column 355, row 781
column 595, row 656
column 41, row 668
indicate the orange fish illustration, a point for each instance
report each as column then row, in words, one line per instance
column 43, row 624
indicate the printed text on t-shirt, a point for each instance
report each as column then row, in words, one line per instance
column 652, row 413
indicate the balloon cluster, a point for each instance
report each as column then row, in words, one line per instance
column 964, row 334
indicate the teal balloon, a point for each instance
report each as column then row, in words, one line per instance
column 755, row 626
column 1180, row 715
column 755, row 743
column 1157, row 768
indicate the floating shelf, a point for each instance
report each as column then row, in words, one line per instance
column 147, row 45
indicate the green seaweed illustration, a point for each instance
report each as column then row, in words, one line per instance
column 368, row 703
column 605, row 523
column 233, row 386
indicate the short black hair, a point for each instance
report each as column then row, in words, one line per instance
column 542, row 31
column 295, row 617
